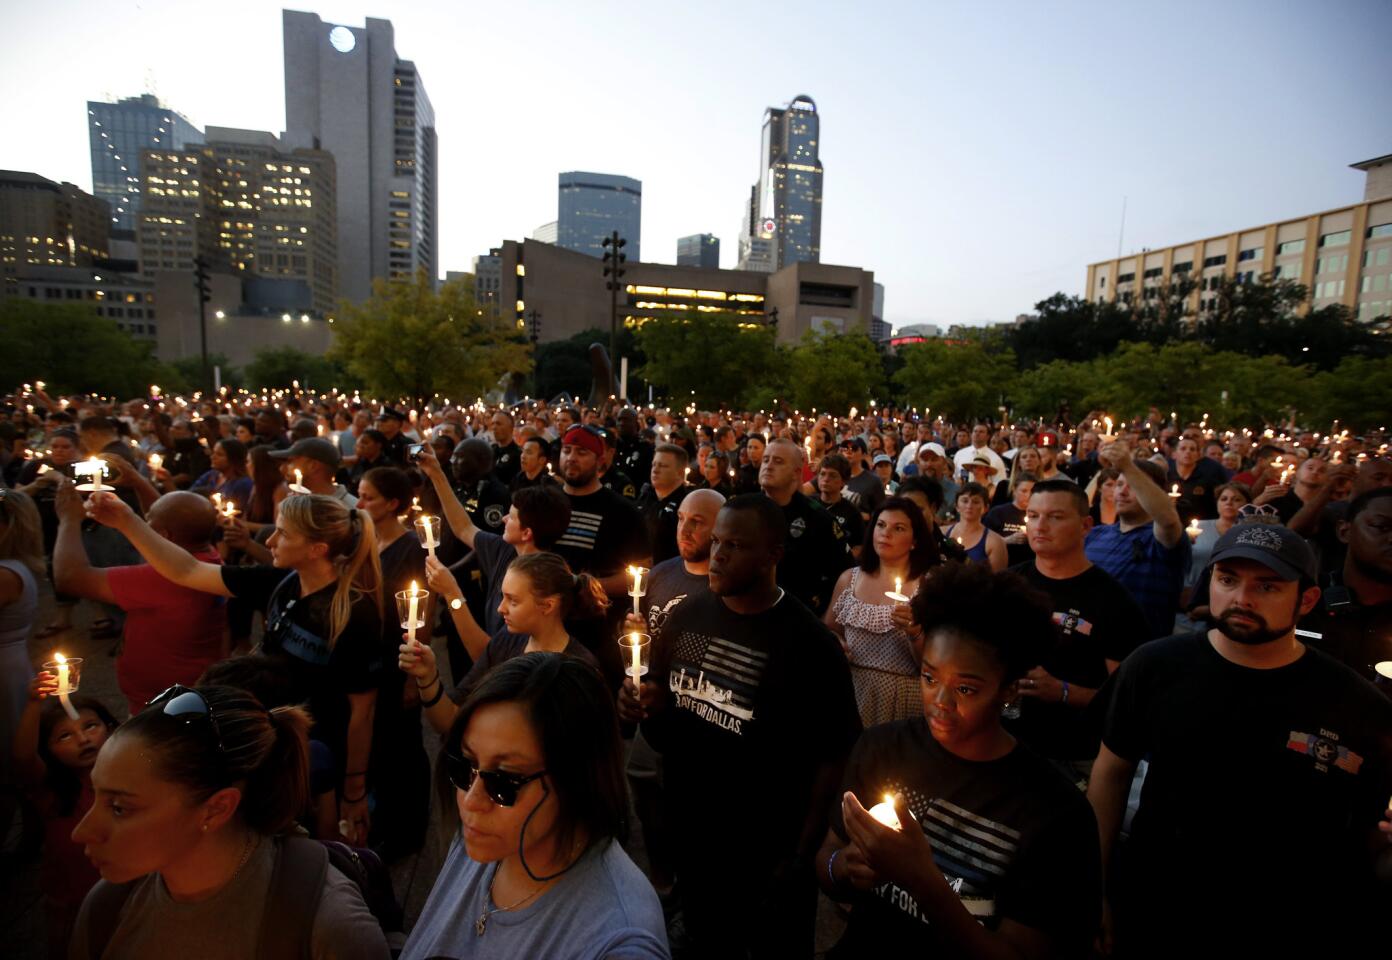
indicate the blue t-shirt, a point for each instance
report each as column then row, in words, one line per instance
column 1151, row 572
column 603, row 907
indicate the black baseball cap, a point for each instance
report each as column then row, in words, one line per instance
column 1279, row 548
column 312, row 448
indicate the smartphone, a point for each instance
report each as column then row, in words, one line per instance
column 413, row 452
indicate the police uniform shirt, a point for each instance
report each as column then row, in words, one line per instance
column 815, row 552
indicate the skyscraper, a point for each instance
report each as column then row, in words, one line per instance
column 699, row 250
column 347, row 92
column 787, row 207
column 117, row 133
column 593, row 205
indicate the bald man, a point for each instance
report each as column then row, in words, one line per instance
column 172, row 634
column 817, row 548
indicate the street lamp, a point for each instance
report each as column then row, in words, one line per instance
column 304, row 318
column 220, row 315
column 285, row 318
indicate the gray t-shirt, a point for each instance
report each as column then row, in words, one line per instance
column 227, row 924
column 603, row 907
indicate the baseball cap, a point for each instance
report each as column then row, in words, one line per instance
column 313, row 448
column 931, row 446
column 390, row 414
column 587, row 438
column 1279, row 548
column 882, row 458
column 855, row 443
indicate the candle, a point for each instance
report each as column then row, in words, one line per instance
column 898, row 595
column 1174, row 492
column 298, row 486
column 413, row 614
column 1384, row 668
column 1108, row 422
column 427, row 526
column 1193, row 529
column 217, row 501
column 637, row 591
column 637, row 665
column 884, row 812
column 415, row 505
column 229, row 510
column 64, row 686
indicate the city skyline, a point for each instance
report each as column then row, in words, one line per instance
column 978, row 156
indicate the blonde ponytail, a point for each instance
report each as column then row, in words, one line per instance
column 352, row 543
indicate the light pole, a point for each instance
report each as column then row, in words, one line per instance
column 200, row 283
column 614, row 260
column 534, row 333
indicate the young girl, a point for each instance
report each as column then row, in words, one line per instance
column 995, row 853
column 53, row 756
column 323, row 605
column 539, row 595
column 194, row 796
column 882, row 650
column 982, row 546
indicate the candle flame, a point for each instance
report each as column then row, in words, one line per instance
column 60, row 659
column 415, row 588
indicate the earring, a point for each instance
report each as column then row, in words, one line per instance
column 205, row 828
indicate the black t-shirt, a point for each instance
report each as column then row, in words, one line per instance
column 668, row 585
column 1008, row 519
column 1196, row 497
column 1082, row 471
column 1287, row 505
column 847, row 515
column 503, row 646
column 493, row 554
column 1355, row 635
column 606, row 533
column 757, row 702
column 1013, row 838
column 814, row 554
column 660, row 515
column 1263, row 790
column 868, row 490
column 296, row 635
column 1096, row 621
column 520, row 480
column 507, row 460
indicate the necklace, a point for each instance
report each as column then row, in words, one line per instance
column 481, row 924
column 253, row 841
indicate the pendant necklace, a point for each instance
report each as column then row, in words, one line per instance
column 481, row 924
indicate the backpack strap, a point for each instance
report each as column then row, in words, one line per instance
column 292, row 901
column 104, row 904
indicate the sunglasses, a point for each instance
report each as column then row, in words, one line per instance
column 502, row 787
column 190, row 706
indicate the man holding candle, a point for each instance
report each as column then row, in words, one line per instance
column 755, row 723
column 316, row 460
column 1269, row 772
column 1198, row 478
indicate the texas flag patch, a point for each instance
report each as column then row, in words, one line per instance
column 1325, row 751
column 1070, row 622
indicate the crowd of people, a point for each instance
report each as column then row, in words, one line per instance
column 988, row 689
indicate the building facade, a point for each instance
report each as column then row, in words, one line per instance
column 699, row 250
column 249, row 206
column 568, row 292
column 48, row 224
column 1343, row 256
column 488, row 277
column 591, row 206
column 118, row 133
column 127, row 300
column 546, row 233
column 786, row 206
column 347, row 92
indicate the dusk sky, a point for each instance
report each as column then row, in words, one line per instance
column 976, row 154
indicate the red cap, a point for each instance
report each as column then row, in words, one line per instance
column 580, row 437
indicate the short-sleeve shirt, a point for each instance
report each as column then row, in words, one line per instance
column 814, row 554
column 1013, row 838
column 494, row 554
column 172, row 634
column 504, row 646
column 669, row 585
column 506, row 461
column 1096, row 621
column 660, row 514
column 1196, row 496
column 1151, row 572
column 1239, row 757
column 847, row 515
column 321, row 674
column 606, row 532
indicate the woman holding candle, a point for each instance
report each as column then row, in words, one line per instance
column 534, row 764
column 996, row 854
column 982, row 545
column 228, row 476
column 539, row 595
column 1231, row 497
column 53, row 757
column 1027, row 461
column 877, row 633
column 21, row 566
column 323, row 604
column 195, row 798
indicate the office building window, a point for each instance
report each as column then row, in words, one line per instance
column 1153, row 273
column 1381, row 230
column 1184, row 267
column 1290, row 246
column 1254, row 254
column 1217, row 261
column 1337, row 239
column 1126, row 278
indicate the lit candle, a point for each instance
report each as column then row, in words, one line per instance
column 884, row 812
column 898, row 595
column 415, row 505
column 414, row 612
column 1193, row 529
column 298, row 486
column 637, row 664
column 229, row 510
column 217, row 501
column 637, row 591
column 64, row 685
column 1174, row 492
column 426, row 525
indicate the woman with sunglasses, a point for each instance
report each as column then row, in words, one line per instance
column 193, row 795
column 539, row 595
column 536, row 765
column 323, row 604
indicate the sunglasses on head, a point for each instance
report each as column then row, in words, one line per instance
column 189, row 706
column 502, row 787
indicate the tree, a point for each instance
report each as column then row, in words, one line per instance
column 832, row 371
column 710, row 359
column 1358, row 393
column 411, row 340
column 191, row 370
column 283, row 366
column 564, row 365
column 73, row 350
column 957, row 381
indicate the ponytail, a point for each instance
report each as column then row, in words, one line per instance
column 352, row 542
column 277, row 792
column 582, row 596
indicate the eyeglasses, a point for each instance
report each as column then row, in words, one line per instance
column 190, row 706
column 502, row 787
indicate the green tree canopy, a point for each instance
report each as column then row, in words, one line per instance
column 835, row 371
column 283, row 366
column 955, row 380
column 411, row 340
column 73, row 350
column 710, row 358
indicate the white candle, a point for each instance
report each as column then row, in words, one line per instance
column 1193, row 529
column 299, row 478
column 412, row 613
column 64, row 688
column 898, row 595
column 156, row 461
column 637, row 591
column 637, row 669
column 1174, row 492
column 884, row 813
